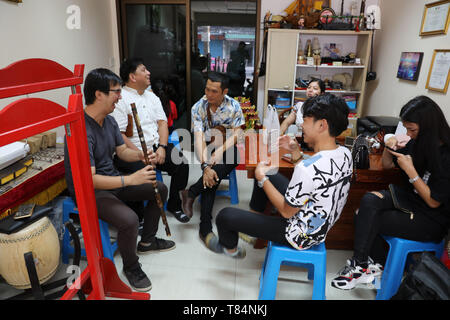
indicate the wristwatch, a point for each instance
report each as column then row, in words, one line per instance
column 204, row 165
column 164, row 146
column 412, row 180
column 261, row 182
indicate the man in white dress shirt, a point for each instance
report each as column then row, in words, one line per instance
column 153, row 121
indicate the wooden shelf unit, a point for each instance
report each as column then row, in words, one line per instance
column 283, row 69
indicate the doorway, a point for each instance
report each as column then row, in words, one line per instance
column 155, row 31
column 224, row 40
column 181, row 40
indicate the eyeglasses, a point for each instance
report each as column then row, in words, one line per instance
column 118, row 91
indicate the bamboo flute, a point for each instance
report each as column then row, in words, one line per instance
column 147, row 162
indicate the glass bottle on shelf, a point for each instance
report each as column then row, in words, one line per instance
column 316, row 45
column 308, row 48
column 301, row 53
column 316, row 51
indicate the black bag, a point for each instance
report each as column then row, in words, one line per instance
column 401, row 201
column 360, row 153
column 429, row 279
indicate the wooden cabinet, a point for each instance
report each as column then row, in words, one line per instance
column 282, row 58
column 283, row 71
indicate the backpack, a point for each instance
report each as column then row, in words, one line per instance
column 428, row 279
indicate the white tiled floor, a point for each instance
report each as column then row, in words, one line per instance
column 192, row 272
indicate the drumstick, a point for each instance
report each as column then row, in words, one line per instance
column 147, row 162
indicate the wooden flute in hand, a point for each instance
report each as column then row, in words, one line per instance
column 147, row 162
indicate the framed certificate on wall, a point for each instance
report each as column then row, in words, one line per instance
column 439, row 74
column 436, row 16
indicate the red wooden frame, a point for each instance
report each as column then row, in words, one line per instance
column 36, row 75
column 30, row 116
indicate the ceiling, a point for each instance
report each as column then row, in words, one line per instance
column 240, row 7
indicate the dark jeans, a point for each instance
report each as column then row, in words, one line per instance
column 176, row 165
column 258, row 201
column 112, row 209
column 230, row 221
column 377, row 216
column 209, row 194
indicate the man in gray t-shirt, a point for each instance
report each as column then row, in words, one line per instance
column 102, row 143
column 102, row 91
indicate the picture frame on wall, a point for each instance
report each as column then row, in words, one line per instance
column 439, row 74
column 409, row 66
column 436, row 18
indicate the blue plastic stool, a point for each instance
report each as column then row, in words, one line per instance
column 396, row 260
column 159, row 176
column 232, row 191
column 108, row 247
column 175, row 139
column 315, row 259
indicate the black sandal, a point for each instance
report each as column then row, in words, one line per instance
column 180, row 216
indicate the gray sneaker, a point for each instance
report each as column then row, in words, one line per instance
column 138, row 279
column 211, row 241
column 240, row 253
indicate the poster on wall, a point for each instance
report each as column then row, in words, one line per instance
column 435, row 18
column 439, row 74
column 409, row 67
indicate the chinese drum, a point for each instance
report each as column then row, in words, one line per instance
column 41, row 239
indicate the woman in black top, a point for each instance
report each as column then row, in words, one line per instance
column 425, row 164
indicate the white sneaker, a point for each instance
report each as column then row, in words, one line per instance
column 375, row 269
column 352, row 275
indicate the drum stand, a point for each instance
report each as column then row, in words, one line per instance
column 37, row 290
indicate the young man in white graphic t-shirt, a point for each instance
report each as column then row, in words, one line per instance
column 312, row 201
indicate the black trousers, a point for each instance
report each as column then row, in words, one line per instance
column 230, row 161
column 258, row 201
column 175, row 164
column 230, row 221
column 377, row 216
column 112, row 209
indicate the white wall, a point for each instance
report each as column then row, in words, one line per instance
column 401, row 21
column 37, row 29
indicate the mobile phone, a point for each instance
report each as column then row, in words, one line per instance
column 389, row 148
column 24, row 211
